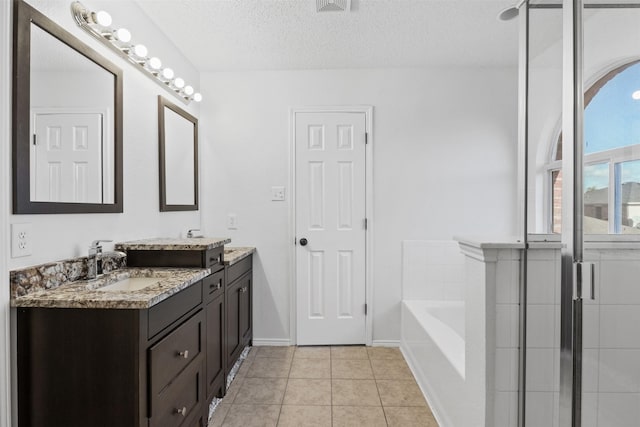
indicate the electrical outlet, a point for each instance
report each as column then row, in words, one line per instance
column 277, row 194
column 21, row 238
column 232, row 221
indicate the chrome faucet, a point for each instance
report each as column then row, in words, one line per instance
column 94, row 259
column 190, row 232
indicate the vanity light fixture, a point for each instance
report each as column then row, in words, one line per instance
column 98, row 24
column 636, row 95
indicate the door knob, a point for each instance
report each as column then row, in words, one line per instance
column 303, row 242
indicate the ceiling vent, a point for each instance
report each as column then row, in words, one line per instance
column 333, row 5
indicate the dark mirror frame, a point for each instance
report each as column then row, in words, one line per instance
column 23, row 16
column 164, row 207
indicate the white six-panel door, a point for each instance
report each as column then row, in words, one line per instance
column 68, row 158
column 330, row 210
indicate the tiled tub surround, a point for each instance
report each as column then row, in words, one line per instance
column 170, row 244
column 88, row 293
column 51, row 275
column 323, row 386
column 461, row 381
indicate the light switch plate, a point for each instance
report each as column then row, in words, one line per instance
column 277, row 194
column 232, row 221
column 21, row 238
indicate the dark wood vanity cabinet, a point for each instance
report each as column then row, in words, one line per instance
column 113, row 367
column 156, row 367
column 238, row 305
column 227, row 299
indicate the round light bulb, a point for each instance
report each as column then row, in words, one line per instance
column 197, row 97
column 167, row 73
column 140, row 50
column 636, row 95
column 123, row 35
column 155, row 63
column 178, row 82
column 102, row 18
column 188, row 90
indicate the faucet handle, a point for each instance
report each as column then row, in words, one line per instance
column 96, row 243
column 190, row 232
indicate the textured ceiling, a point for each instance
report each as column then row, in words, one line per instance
column 289, row 34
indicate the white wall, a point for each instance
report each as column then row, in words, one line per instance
column 444, row 163
column 5, row 168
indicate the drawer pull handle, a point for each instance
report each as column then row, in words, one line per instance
column 216, row 286
column 182, row 411
column 184, row 354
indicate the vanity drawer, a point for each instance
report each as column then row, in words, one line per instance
column 213, row 257
column 180, row 400
column 174, row 352
column 168, row 311
column 238, row 269
column 213, row 285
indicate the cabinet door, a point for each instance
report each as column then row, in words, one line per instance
column 245, row 310
column 215, row 345
column 233, row 321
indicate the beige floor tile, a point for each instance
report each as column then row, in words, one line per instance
column 218, row 415
column 261, row 391
column 354, row 393
column 351, row 369
column 384, row 353
column 244, row 368
column 310, row 368
column 252, row 416
column 400, row 393
column 252, row 353
column 409, row 416
column 232, row 391
column 305, row 416
column 349, row 352
column 269, row 368
column 352, row 416
column 312, row 352
column 308, row 392
column 275, row 352
column 391, row 369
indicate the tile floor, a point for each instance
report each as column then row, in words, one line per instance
column 324, row 386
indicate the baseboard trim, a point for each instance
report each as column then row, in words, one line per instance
column 385, row 343
column 265, row 342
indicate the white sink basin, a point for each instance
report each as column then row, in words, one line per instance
column 130, row 284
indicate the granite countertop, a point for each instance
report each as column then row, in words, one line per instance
column 88, row 293
column 235, row 254
column 188, row 244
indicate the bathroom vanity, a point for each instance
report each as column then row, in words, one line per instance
column 148, row 345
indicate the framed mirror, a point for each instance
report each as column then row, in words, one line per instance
column 67, row 121
column 178, row 133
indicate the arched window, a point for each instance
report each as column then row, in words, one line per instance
column 612, row 156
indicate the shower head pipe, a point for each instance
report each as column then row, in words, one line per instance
column 511, row 12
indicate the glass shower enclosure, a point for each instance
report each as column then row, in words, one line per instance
column 580, row 162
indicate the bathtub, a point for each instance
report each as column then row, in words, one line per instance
column 443, row 322
column 433, row 343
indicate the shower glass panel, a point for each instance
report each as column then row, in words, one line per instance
column 541, row 300
column 610, row 393
column 606, row 378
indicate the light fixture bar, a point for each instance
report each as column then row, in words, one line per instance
column 98, row 24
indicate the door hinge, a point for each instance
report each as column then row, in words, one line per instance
column 366, row 223
column 366, row 138
column 35, row 139
column 365, row 309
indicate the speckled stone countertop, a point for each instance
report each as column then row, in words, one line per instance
column 88, row 294
column 235, row 254
column 157, row 244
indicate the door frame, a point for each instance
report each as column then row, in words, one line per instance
column 367, row 110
